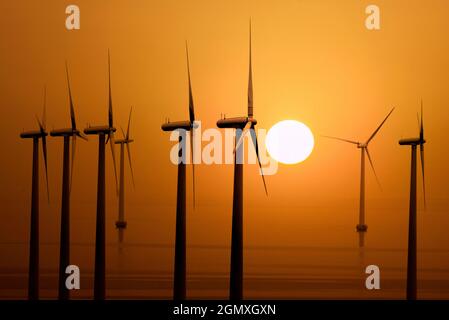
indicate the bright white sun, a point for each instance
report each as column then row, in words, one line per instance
column 289, row 142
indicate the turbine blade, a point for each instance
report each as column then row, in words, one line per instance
column 419, row 122
column 193, row 164
column 421, row 131
column 191, row 105
column 250, row 79
column 380, row 126
column 345, row 140
column 421, row 149
column 110, row 116
column 130, row 163
column 123, row 133
column 72, row 110
column 44, row 113
column 129, row 124
column 256, row 147
column 44, row 150
column 82, row 136
column 41, row 127
column 240, row 141
column 112, row 142
column 372, row 167
column 73, row 161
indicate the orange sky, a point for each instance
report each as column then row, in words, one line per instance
column 313, row 61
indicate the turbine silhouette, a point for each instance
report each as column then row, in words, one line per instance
column 179, row 285
column 242, row 126
column 412, row 237
column 67, row 177
column 363, row 146
column 121, row 222
column 33, row 271
column 100, row 256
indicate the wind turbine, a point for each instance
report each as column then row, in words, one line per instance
column 179, row 285
column 33, row 271
column 121, row 222
column 363, row 146
column 102, row 131
column 67, row 177
column 242, row 125
column 411, row 257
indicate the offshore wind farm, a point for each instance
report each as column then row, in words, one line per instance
column 216, row 225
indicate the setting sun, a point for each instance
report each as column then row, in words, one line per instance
column 289, row 141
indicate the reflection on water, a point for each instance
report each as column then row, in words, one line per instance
column 272, row 278
column 298, row 252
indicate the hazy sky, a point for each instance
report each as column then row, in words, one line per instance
column 313, row 61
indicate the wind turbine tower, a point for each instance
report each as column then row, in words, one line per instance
column 412, row 237
column 363, row 146
column 121, row 222
column 179, row 285
column 67, row 177
column 100, row 235
column 33, row 271
column 242, row 126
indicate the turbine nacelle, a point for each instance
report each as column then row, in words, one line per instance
column 172, row 126
column 235, row 123
column 33, row 134
column 412, row 142
column 361, row 145
column 123, row 141
column 65, row 132
column 99, row 130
